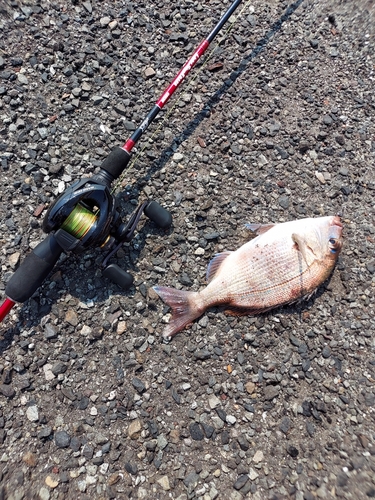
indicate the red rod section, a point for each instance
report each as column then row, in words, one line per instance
column 180, row 77
column 5, row 307
column 188, row 66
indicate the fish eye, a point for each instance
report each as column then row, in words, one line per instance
column 333, row 244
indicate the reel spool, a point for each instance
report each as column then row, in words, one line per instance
column 79, row 222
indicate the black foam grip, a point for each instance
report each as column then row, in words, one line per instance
column 116, row 162
column 158, row 214
column 33, row 270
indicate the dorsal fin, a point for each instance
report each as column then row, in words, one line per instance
column 215, row 263
column 259, row 228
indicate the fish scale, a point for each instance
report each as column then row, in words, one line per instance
column 284, row 263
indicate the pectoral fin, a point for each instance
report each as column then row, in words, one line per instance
column 301, row 246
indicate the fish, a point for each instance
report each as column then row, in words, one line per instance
column 281, row 264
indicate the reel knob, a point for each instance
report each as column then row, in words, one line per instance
column 158, row 214
column 122, row 278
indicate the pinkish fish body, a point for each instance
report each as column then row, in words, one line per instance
column 284, row 263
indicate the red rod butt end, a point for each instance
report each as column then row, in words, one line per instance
column 5, row 308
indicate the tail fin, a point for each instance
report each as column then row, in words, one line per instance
column 184, row 308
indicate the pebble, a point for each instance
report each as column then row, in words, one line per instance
column 59, row 368
column 284, row 202
column 285, row 425
column 7, row 390
column 104, row 21
column 62, row 439
column 196, row 431
column 253, row 474
column 178, row 156
column 51, row 482
column 241, row 481
column 135, row 429
column 231, row 419
column 164, row 483
column 32, row 413
column 138, row 385
column 213, row 402
column 250, row 387
column 22, row 79
column 149, row 72
column 258, row 457
column 271, row 392
column 71, row 317
column 50, row 332
column 44, row 494
column 14, row 259
column 162, row 441
column 30, row 459
column 320, row 177
column 310, row 428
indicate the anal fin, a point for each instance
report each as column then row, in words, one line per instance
column 242, row 311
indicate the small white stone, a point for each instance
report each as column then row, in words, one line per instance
column 258, row 457
column 104, row 21
column 164, row 483
column 199, row 251
column 262, row 160
column 320, row 177
column 213, row 402
column 178, row 156
column 86, row 330
column 22, row 79
column 231, row 419
column 82, row 485
column 32, row 413
column 13, row 259
column 112, row 395
column 253, row 474
column 44, row 493
column 104, row 468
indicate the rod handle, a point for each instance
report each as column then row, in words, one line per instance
column 33, row 270
column 113, row 166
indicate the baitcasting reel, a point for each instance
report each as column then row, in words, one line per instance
column 84, row 216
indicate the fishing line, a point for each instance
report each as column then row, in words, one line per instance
column 79, row 221
column 140, row 153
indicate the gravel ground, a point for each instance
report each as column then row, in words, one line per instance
column 278, row 125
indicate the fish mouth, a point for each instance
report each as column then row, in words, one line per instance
column 337, row 221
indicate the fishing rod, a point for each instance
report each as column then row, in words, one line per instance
column 86, row 215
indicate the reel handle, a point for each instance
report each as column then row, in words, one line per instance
column 33, row 270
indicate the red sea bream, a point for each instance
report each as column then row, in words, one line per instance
column 282, row 264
